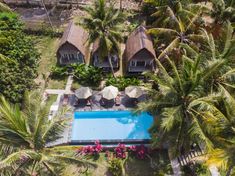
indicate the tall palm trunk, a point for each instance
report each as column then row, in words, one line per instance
column 48, row 16
column 120, row 5
column 111, row 65
column 230, row 170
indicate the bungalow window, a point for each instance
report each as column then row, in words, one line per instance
column 140, row 64
column 80, row 57
column 133, row 63
column 72, row 57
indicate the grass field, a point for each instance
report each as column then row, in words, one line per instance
column 47, row 47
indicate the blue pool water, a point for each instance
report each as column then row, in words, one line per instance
column 110, row 126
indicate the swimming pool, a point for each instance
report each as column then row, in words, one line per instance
column 110, row 127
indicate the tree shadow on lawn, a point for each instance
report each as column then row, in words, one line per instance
column 156, row 165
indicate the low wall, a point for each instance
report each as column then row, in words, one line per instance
column 48, row 3
column 30, row 2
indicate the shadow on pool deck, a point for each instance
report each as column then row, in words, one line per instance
column 126, row 103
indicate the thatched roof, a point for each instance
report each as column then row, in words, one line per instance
column 76, row 36
column 95, row 46
column 137, row 41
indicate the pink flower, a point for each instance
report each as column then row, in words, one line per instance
column 120, row 151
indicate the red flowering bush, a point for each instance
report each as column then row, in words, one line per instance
column 140, row 151
column 120, row 151
column 93, row 150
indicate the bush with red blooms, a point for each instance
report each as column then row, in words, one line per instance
column 140, row 151
column 93, row 150
column 120, row 151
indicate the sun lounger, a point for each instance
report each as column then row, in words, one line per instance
column 88, row 102
column 118, row 101
column 65, row 100
column 102, row 103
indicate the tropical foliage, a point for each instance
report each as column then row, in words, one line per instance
column 104, row 24
column 178, row 25
column 187, row 98
column 122, row 82
column 16, row 77
column 223, row 11
column 223, row 155
column 26, row 135
column 86, row 75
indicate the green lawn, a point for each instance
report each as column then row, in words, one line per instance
column 51, row 99
column 47, row 47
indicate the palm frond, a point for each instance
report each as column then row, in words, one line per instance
column 4, row 8
column 171, row 117
column 166, row 31
column 169, row 48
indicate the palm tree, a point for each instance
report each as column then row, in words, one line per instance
column 104, row 25
column 186, row 99
column 223, row 155
column 222, row 11
column 179, row 25
column 25, row 135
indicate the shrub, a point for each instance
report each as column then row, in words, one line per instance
column 122, row 82
column 87, row 75
column 115, row 167
column 92, row 150
column 139, row 151
column 59, row 72
column 18, row 76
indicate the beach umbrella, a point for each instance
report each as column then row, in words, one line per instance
column 133, row 91
column 83, row 93
column 110, row 92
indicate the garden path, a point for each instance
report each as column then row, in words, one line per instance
column 176, row 167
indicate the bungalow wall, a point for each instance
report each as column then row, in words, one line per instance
column 68, row 54
column 104, row 63
column 141, row 61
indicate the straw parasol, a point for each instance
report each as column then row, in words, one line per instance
column 133, row 91
column 110, row 92
column 83, row 93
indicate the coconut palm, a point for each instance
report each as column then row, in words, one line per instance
column 103, row 24
column 179, row 105
column 179, row 25
column 222, row 11
column 223, row 155
column 221, row 57
column 25, row 135
column 186, row 98
column 218, row 12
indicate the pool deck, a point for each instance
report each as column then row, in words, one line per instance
column 96, row 105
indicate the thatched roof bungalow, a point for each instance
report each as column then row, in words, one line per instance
column 139, row 54
column 73, row 48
